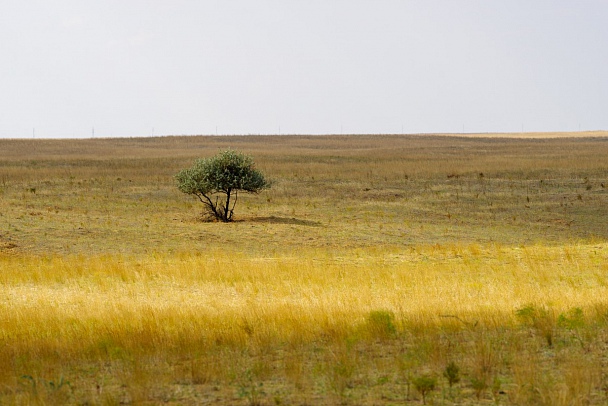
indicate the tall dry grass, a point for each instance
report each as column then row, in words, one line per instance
column 228, row 297
column 62, row 313
column 372, row 264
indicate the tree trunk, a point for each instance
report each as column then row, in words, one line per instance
column 226, row 215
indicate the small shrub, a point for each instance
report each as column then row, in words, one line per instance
column 479, row 385
column 452, row 373
column 251, row 389
column 540, row 319
column 575, row 319
column 424, row 384
column 496, row 387
column 380, row 323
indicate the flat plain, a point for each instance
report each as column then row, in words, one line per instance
column 378, row 269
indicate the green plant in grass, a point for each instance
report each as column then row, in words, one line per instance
column 541, row 319
column 340, row 369
column 56, row 392
column 251, row 389
column 424, row 384
column 496, row 388
column 216, row 182
column 452, row 374
column 380, row 323
column 406, row 363
column 479, row 385
column 573, row 320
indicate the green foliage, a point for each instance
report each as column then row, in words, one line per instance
column 380, row 323
column 340, row 370
column 452, row 373
column 54, row 392
column 542, row 320
column 496, row 385
column 479, row 385
column 224, row 174
column 424, row 384
column 574, row 320
column 527, row 313
column 251, row 389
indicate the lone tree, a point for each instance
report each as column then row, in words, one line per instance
column 224, row 174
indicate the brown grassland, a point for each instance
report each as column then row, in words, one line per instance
column 378, row 270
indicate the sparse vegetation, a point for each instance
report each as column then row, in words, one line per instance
column 425, row 384
column 452, row 373
column 373, row 262
column 381, row 324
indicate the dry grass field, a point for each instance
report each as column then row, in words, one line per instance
column 378, row 270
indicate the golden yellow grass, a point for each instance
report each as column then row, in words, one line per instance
column 74, row 302
column 373, row 261
column 62, row 314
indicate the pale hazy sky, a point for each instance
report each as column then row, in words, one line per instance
column 143, row 67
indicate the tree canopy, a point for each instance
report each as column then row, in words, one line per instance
column 224, row 174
